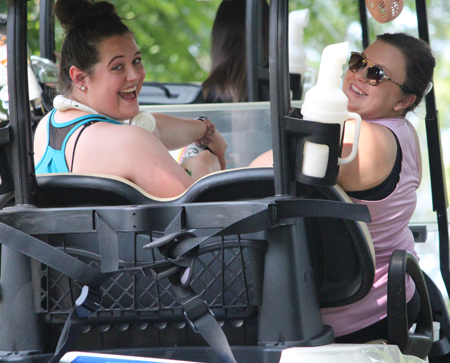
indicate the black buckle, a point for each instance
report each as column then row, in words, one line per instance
column 88, row 302
column 194, row 309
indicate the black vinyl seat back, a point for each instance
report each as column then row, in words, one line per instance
column 237, row 184
column 70, row 189
column 74, row 190
column 342, row 253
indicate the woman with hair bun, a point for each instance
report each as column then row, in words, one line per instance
column 101, row 75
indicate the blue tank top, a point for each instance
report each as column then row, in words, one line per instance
column 54, row 158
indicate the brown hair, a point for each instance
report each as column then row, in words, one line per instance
column 86, row 25
column 227, row 81
column 419, row 60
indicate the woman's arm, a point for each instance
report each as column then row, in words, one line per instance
column 137, row 156
column 175, row 133
column 377, row 150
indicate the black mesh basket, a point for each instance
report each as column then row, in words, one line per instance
column 227, row 276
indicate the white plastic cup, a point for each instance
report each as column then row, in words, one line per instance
column 315, row 159
column 315, row 156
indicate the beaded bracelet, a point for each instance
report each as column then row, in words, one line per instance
column 209, row 134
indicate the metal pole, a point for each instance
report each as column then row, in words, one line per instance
column 20, row 332
column 253, row 46
column 364, row 23
column 19, row 105
column 437, row 171
column 47, row 30
column 280, row 101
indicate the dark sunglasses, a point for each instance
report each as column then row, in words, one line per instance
column 375, row 74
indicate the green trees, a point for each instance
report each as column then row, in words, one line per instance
column 174, row 35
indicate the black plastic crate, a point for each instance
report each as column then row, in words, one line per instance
column 228, row 276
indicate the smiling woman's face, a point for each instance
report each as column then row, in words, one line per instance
column 115, row 83
column 386, row 99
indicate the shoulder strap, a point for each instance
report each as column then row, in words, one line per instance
column 51, row 256
column 87, row 124
column 201, row 319
column 90, row 297
column 78, row 137
column 87, row 304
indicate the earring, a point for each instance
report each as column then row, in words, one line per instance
column 82, row 88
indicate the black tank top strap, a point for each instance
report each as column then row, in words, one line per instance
column 386, row 188
column 87, row 124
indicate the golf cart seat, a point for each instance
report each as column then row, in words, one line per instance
column 71, row 189
column 64, row 190
column 228, row 272
column 151, row 303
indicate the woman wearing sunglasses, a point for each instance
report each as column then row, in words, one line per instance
column 382, row 84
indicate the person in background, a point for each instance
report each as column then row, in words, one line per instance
column 382, row 84
column 227, row 81
column 101, row 68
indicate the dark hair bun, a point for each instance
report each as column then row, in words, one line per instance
column 72, row 13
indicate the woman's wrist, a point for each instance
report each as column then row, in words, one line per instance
column 208, row 137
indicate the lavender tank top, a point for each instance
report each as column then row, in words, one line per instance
column 389, row 231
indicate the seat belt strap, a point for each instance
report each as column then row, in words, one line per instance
column 87, row 304
column 201, row 319
column 90, row 297
column 51, row 256
column 108, row 242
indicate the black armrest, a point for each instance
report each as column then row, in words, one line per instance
column 418, row 343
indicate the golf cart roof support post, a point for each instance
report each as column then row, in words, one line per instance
column 19, row 105
column 279, row 92
column 364, row 23
column 47, row 32
column 437, row 171
column 254, row 46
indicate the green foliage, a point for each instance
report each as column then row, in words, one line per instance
column 329, row 22
column 172, row 35
column 33, row 26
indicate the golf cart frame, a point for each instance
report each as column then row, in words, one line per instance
column 284, row 260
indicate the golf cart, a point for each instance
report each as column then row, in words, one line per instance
column 93, row 264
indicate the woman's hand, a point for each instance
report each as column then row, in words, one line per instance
column 218, row 146
column 202, row 164
column 175, row 133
